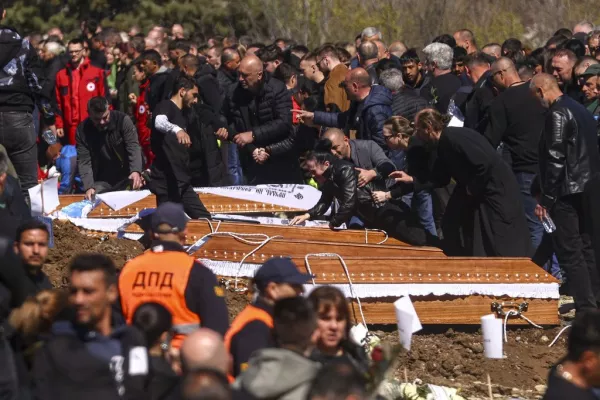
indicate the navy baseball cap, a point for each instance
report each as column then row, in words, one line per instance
column 171, row 214
column 280, row 270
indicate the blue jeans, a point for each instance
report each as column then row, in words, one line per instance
column 421, row 204
column 233, row 165
column 536, row 229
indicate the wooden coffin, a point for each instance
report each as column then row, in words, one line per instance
column 227, row 248
column 213, row 203
column 198, row 228
column 446, row 309
column 456, row 310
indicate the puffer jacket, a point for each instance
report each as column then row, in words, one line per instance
column 266, row 114
column 22, row 76
column 366, row 117
column 341, row 184
column 406, row 103
column 568, row 151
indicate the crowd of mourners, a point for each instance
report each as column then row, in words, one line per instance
column 486, row 150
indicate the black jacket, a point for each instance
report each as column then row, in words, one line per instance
column 568, row 150
column 341, row 184
column 14, row 209
column 226, row 79
column 159, row 89
column 51, row 68
column 206, row 164
column 208, row 85
column 79, row 364
column 478, row 104
column 164, row 383
column 406, row 103
column 266, row 114
column 21, row 76
column 440, row 89
column 109, row 156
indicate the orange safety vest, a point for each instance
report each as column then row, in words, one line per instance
column 249, row 314
column 159, row 277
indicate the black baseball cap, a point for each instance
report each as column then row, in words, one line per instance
column 171, row 214
column 280, row 270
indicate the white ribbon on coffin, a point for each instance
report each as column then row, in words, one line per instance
column 302, row 197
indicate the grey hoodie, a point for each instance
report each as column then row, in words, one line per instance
column 278, row 374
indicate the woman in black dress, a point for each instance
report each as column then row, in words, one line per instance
column 484, row 216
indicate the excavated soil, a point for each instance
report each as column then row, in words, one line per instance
column 438, row 355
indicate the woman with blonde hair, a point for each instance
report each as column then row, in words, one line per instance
column 37, row 314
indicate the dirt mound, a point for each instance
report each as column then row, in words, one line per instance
column 456, row 359
column 69, row 241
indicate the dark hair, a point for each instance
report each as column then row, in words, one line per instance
column 98, row 105
column 446, row 39
column 87, row 262
column 338, row 380
column 137, row 43
column 314, row 103
column 384, row 64
column 75, row 41
column 557, row 41
column 228, row 53
column 513, row 48
column 324, row 298
column 343, row 54
column 284, row 72
column 410, row 55
column 152, row 319
column 566, row 53
column 152, row 56
column 585, row 335
column 183, row 82
column 299, row 48
column 564, row 32
column 179, row 44
column 459, row 54
column 294, row 323
column 548, row 55
column 328, row 50
column 535, row 58
column 321, row 152
column 270, row 53
column 305, row 85
column 30, row 225
column 576, row 46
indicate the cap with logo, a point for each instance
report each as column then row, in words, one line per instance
column 280, row 270
column 170, row 214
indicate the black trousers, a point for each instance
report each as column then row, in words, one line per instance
column 572, row 243
column 17, row 135
column 168, row 190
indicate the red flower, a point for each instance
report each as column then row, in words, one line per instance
column 377, row 354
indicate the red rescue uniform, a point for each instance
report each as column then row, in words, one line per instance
column 74, row 88
column 142, row 116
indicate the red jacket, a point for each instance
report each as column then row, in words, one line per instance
column 74, row 88
column 141, row 113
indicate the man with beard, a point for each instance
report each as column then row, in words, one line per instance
column 170, row 172
column 258, row 107
column 109, row 156
column 412, row 70
column 31, row 246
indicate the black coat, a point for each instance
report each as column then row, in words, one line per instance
column 65, row 367
column 485, row 207
column 478, row 104
column 267, row 114
column 341, row 184
column 164, row 383
column 406, row 103
column 160, row 87
column 206, row 164
column 568, row 150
